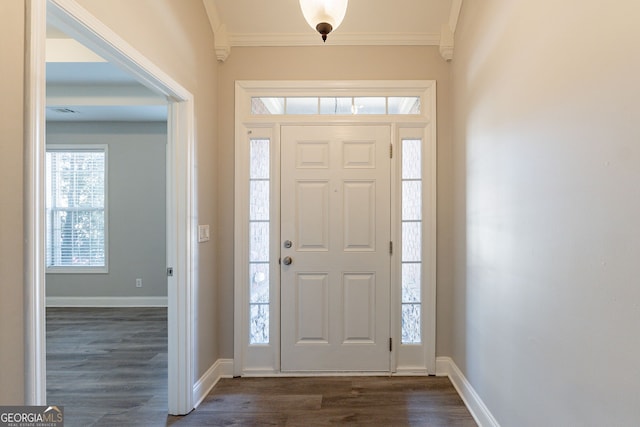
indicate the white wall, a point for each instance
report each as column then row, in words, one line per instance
column 546, row 314
column 136, row 209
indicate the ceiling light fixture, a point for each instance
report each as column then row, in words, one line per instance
column 324, row 16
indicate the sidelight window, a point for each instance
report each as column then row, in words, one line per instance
column 259, row 182
column 411, row 264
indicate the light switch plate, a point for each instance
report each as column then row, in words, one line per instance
column 203, row 233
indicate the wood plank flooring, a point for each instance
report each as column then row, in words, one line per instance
column 324, row 401
column 107, row 362
column 108, row 367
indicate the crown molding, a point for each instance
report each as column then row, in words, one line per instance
column 446, row 43
column 456, row 5
column 221, row 42
column 220, row 35
column 447, row 35
column 224, row 41
column 338, row 39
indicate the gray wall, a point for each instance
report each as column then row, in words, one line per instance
column 547, row 161
column 136, row 206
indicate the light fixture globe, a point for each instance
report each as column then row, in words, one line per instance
column 324, row 16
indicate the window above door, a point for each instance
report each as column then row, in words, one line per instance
column 337, row 105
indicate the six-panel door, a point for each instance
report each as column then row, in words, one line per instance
column 335, row 213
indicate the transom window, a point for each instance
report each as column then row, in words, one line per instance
column 339, row 105
column 75, row 209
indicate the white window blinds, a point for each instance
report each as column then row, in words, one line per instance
column 75, row 208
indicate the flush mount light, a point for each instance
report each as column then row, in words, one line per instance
column 324, row 16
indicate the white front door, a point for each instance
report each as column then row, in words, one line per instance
column 335, row 257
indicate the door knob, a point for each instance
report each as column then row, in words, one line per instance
column 287, row 260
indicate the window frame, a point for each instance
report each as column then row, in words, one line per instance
column 104, row 148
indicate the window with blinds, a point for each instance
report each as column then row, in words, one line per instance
column 76, row 232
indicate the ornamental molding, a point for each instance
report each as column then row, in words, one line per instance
column 224, row 40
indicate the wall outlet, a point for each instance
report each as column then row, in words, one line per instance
column 138, row 283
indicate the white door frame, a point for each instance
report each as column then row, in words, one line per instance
column 181, row 252
column 264, row 359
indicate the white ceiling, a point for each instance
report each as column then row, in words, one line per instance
column 86, row 73
column 81, row 86
column 367, row 22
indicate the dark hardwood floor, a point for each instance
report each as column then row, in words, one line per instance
column 323, row 401
column 106, row 363
column 108, row 367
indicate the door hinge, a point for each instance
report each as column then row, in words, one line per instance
column 169, row 271
column 391, row 151
column 390, row 344
column 391, row 248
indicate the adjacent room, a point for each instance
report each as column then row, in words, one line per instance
column 106, row 286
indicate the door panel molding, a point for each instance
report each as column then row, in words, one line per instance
column 354, row 260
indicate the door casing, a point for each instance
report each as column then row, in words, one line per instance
column 264, row 359
column 181, row 253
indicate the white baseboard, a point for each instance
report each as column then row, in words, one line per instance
column 106, row 301
column 223, row 368
column 445, row 366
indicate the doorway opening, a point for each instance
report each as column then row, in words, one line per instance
column 85, row 28
column 335, row 227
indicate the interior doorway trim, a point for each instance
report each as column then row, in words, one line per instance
column 181, row 252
